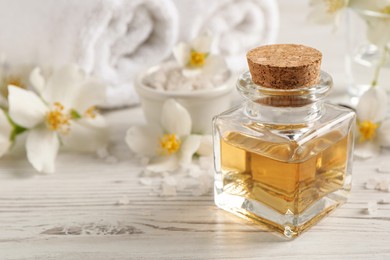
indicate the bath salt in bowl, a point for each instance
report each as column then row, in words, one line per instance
column 204, row 96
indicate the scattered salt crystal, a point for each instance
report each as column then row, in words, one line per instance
column 111, row 159
column 200, row 190
column 372, row 208
column 194, row 173
column 182, row 185
column 170, row 180
column 172, row 77
column 123, row 201
column 146, row 172
column 206, row 181
column 144, row 161
column 202, row 84
column 145, row 181
column 197, row 192
column 156, row 79
column 383, row 185
column 102, row 153
column 168, row 190
column 371, row 184
column 384, row 201
column 163, row 174
column 206, row 162
column 384, row 168
column 190, row 178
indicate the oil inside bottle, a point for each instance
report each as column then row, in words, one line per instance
column 285, row 176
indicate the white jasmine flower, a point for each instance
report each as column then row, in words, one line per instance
column 378, row 31
column 378, row 23
column 5, row 133
column 373, row 129
column 327, row 11
column 10, row 77
column 371, row 5
column 3, row 101
column 196, row 57
column 62, row 113
column 171, row 145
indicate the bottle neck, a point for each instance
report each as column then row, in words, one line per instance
column 284, row 106
column 283, row 115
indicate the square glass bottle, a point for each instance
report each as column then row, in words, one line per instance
column 284, row 157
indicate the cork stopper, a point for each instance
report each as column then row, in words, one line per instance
column 284, row 66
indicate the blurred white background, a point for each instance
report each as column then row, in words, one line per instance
column 295, row 28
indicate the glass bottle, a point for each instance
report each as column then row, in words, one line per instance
column 283, row 158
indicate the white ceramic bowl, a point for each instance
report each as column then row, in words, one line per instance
column 202, row 105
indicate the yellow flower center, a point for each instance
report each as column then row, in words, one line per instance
column 57, row 120
column 170, row 144
column 367, row 130
column 198, row 59
column 91, row 112
column 14, row 81
column 386, row 10
column 334, row 5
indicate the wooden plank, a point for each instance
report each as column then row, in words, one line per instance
column 73, row 214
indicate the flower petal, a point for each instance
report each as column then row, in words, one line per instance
column 87, row 134
column 319, row 15
column 3, row 64
column 5, row 132
column 42, row 147
column 372, row 105
column 164, row 164
column 64, row 85
column 202, row 43
column 384, row 133
column 5, row 145
column 25, row 107
column 91, row 93
column 175, row 119
column 37, row 80
column 372, row 5
column 144, row 140
column 3, row 101
column 378, row 30
column 366, row 150
column 215, row 64
column 188, row 148
column 182, row 53
column 206, row 146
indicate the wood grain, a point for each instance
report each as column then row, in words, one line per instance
column 73, row 214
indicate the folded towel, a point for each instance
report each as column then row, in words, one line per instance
column 238, row 25
column 113, row 39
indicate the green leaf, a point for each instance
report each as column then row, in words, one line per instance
column 74, row 114
column 17, row 129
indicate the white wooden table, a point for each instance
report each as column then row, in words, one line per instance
column 73, row 214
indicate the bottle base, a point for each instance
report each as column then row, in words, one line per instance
column 288, row 225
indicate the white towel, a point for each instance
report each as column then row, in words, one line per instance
column 238, row 25
column 113, row 39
